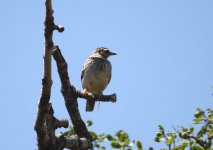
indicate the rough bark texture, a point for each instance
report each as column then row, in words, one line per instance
column 46, row 123
column 70, row 96
column 46, row 81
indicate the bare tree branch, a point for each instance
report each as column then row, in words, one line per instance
column 46, row 123
column 47, row 79
column 74, row 142
column 51, row 121
column 59, row 28
column 43, row 131
column 103, row 98
column 70, row 96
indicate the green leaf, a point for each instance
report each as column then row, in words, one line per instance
column 184, row 135
column 110, row 137
column 197, row 120
column 197, row 148
column 210, row 112
column 161, row 128
column 157, row 139
column 115, row 145
column 210, row 132
column 122, row 136
column 191, row 130
column 139, row 144
column 180, row 147
column 89, row 123
column 151, row 148
column 210, row 116
column 170, row 140
column 202, row 132
column 199, row 113
column 101, row 139
column 94, row 135
column 97, row 145
column 159, row 134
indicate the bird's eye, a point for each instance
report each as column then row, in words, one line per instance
column 107, row 51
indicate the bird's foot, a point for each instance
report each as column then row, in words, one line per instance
column 86, row 93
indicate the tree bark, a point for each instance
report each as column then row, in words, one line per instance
column 47, row 79
column 46, row 123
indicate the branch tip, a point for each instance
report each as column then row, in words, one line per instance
column 63, row 123
column 59, row 28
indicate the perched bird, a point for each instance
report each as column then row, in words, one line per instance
column 96, row 74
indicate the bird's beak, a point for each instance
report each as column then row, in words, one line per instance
column 113, row 53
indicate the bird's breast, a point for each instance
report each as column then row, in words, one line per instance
column 97, row 74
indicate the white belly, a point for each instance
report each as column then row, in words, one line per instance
column 95, row 81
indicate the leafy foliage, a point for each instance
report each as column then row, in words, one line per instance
column 184, row 139
column 200, row 140
column 120, row 140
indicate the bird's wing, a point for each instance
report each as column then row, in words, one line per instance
column 110, row 72
column 83, row 69
column 110, row 77
column 82, row 74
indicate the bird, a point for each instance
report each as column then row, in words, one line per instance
column 96, row 74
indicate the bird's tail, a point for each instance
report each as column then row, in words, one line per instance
column 90, row 105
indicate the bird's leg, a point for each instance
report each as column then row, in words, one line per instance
column 86, row 93
column 99, row 97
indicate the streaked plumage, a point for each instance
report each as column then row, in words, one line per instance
column 96, row 74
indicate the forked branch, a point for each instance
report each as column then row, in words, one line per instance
column 46, row 123
column 62, row 70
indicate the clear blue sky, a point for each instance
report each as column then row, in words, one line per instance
column 163, row 71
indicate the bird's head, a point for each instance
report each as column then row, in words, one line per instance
column 104, row 52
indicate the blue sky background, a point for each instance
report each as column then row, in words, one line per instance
column 162, row 73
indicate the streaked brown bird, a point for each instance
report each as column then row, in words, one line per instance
column 96, row 74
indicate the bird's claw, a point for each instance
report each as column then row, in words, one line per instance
column 87, row 94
